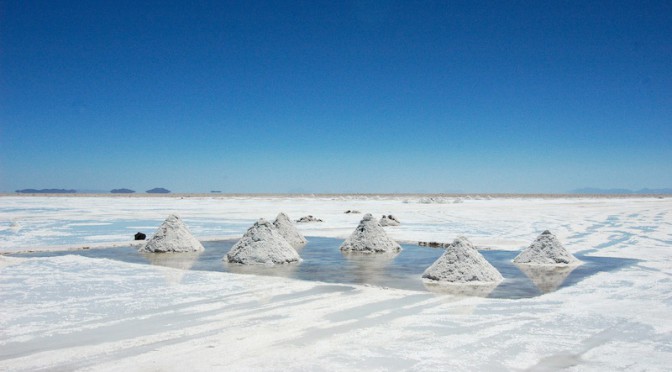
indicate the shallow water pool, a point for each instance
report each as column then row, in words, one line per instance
column 324, row 262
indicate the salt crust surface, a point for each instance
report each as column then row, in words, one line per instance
column 76, row 313
column 262, row 244
column 172, row 236
column 369, row 237
column 546, row 249
column 288, row 231
column 462, row 263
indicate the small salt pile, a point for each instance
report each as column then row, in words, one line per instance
column 389, row 220
column 288, row 231
column 172, row 236
column 546, row 250
column 369, row 237
column 308, row 218
column 262, row 244
column 462, row 263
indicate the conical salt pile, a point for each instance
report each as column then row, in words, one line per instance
column 369, row 237
column 262, row 244
column 172, row 236
column 288, row 231
column 462, row 263
column 546, row 250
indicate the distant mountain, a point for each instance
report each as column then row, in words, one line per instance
column 655, row 191
column 122, row 191
column 158, row 190
column 598, row 191
column 46, row 191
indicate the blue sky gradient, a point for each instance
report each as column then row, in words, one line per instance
column 351, row 96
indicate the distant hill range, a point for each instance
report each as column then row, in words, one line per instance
column 46, row 191
column 594, row 190
column 122, row 191
column 158, row 190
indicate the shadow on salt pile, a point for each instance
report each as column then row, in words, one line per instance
column 324, row 262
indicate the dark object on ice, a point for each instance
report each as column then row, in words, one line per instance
column 158, row 190
column 46, row 191
column 140, row 236
column 308, row 218
column 216, row 192
column 352, row 211
column 122, row 191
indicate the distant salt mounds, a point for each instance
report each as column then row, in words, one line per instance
column 308, row 218
column 433, row 200
column 389, row 220
column 462, row 263
column 546, row 250
column 262, row 244
column 288, row 231
column 172, row 236
column 369, row 237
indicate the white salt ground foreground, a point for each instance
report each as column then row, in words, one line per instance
column 77, row 313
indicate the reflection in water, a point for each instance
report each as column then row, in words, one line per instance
column 285, row 270
column 182, row 261
column 547, row 278
column 460, row 289
column 369, row 268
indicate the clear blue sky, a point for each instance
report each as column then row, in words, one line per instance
column 336, row 96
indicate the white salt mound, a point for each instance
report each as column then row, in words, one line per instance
column 462, row 263
column 288, row 231
column 172, row 236
column 262, row 244
column 546, row 250
column 389, row 220
column 369, row 237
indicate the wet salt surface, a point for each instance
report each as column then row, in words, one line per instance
column 324, row 262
